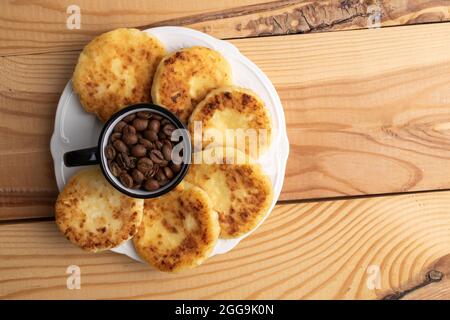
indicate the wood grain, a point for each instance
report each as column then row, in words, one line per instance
column 40, row 25
column 367, row 113
column 326, row 250
column 291, row 17
column 435, row 291
column 28, row 99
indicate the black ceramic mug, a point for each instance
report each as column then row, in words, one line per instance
column 96, row 155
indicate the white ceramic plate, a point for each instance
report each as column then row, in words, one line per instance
column 76, row 129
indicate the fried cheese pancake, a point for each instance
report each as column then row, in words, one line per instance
column 95, row 216
column 179, row 229
column 232, row 117
column 240, row 193
column 116, row 69
column 185, row 77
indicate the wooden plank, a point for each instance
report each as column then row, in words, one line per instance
column 349, row 249
column 367, row 113
column 439, row 290
column 40, row 26
column 28, row 99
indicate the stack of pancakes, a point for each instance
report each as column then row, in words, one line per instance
column 220, row 196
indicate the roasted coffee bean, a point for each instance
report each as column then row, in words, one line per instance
column 110, row 152
column 168, row 129
column 161, row 136
column 175, row 167
column 144, row 115
column 119, row 126
column 168, row 172
column 150, row 135
column 156, row 156
column 115, row 169
column 146, row 143
column 129, row 130
column 152, row 172
column 140, row 124
column 126, row 179
column 137, row 176
column 129, row 117
column 121, row 160
column 139, row 150
column 130, row 139
column 116, row 136
column 132, row 162
column 154, row 125
column 125, row 161
column 144, row 165
column 151, row 185
column 160, row 176
column 167, row 151
column 120, row 146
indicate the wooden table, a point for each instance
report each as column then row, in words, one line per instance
column 365, row 208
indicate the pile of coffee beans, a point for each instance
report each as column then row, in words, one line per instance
column 139, row 151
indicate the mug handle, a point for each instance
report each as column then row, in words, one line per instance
column 82, row 157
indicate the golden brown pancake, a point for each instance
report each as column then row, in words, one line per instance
column 240, row 193
column 179, row 229
column 185, row 77
column 95, row 216
column 115, row 70
column 236, row 110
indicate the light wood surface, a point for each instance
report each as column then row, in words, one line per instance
column 435, row 291
column 303, row 251
column 40, row 26
column 367, row 113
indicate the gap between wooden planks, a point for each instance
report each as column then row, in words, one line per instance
column 40, row 26
column 367, row 113
column 327, row 250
